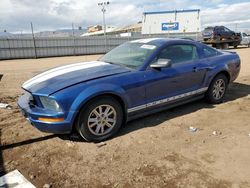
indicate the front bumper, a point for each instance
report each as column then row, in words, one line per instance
column 33, row 113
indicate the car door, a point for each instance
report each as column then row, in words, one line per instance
column 220, row 32
column 185, row 75
column 228, row 33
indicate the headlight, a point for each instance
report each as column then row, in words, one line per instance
column 50, row 104
column 28, row 96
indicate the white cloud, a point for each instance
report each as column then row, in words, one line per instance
column 229, row 15
column 15, row 15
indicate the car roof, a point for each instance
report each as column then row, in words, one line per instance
column 161, row 41
column 212, row 27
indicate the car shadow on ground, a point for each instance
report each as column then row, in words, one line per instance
column 27, row 142
column 235, row 91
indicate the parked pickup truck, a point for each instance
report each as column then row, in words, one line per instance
column 221, row 37
column 245, row 39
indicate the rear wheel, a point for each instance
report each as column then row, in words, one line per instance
column 100, row 119
column 217, row 89
column 225, row 46
column 219, row 46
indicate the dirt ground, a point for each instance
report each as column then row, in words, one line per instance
column 154, row 151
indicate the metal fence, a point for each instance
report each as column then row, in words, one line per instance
column 14, row 48
column 11, row 48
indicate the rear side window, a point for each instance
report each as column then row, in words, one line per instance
column 209, row 52
column 219, row 29
column 227, row 30
column 179, row 53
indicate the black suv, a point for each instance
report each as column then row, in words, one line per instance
column 219, row 33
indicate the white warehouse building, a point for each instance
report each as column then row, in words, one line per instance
column 176, row 21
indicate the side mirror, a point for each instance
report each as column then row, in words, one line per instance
column 161, row 63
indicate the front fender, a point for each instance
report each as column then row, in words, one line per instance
column 97, row 90
column 72, row 99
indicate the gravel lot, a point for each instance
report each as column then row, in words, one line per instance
column 155, row 151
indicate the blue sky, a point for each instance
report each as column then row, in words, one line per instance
column 15, row 15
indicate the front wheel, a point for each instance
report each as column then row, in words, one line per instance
column 100, row 119
column 217, row 89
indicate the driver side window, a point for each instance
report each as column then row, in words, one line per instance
column 179, row 53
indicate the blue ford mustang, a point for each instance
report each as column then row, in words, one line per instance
column 135, row 79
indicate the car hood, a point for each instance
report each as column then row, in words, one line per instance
column 59, row 78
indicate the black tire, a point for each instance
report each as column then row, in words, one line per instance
column 211, row 96
column 83, row 123
column 219, row 46
column 225, row 46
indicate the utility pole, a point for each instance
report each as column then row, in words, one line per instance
column 103, row 9
column 73, row 30
column 33, row 36
column 73, row 36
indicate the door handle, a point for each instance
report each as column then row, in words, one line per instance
column 195, row 69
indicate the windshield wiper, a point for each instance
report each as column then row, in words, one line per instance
column 123, row 65
column 110, row 62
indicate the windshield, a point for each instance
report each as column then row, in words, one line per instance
column 208, row 30
column 129, row 54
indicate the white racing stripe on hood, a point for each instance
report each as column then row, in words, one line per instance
column 60, row 71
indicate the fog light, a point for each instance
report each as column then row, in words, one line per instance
column 51, row 120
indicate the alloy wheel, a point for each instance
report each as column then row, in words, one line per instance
column 102, row 120
column 219, row 89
